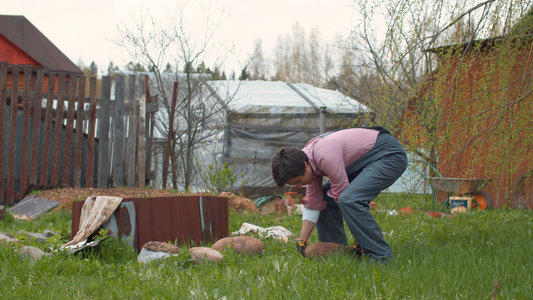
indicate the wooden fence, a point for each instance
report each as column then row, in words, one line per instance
column 54, row 135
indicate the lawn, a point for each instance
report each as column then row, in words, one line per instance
column 460, row 257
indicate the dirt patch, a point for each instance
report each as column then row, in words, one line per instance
column 240, row 203
column 65, row 196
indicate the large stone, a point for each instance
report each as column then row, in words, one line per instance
column 32, row 252
column 204, row 254
column 241, row 244
column 323, row 249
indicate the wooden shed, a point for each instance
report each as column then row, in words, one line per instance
column 480, row 98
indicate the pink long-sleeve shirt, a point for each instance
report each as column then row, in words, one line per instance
column 329, row 156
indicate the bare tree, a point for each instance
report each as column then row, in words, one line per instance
column 179, row 44
column 402, row 44
column 302, row 59
column 258, row 67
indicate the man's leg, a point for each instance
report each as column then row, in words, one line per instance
column 355, row 199
column 330, row 226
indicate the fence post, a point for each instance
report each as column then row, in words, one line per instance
column 118, row 149
column 12, row 135
column 89, row 173
column 141, row 154
column 47, row 130
column 3, row 96
column 24, row 135
column 56, row 157
column 36, row 128
column 67, row 149
column 103, row 133
column 131, row 153
column 78, row 149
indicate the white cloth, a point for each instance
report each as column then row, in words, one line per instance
column 277, row 232
column 95, row 212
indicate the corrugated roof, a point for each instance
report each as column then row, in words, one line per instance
column 27, row 37
column 250, row 95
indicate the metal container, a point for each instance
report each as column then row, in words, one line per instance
column 191, row 220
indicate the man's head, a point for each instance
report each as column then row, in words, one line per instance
column 290, row 165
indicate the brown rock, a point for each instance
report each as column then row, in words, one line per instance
column 434, row 214
column 203, row 254
column 323, row 249
column 241, row 244
column 162, row 247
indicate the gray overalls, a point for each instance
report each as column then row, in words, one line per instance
column 368, row 176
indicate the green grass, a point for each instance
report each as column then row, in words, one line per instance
column 446, row 258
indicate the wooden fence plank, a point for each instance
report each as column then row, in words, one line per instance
column 3, row 97
column 47, row 138
column 118, row 149
column 12, row 135
column 69, row 130
column 103, row 134
column 36, row 128
column 79, row 133
column 25, row 134
column 131, row 153
column 58, row 128
column 150, row 125
column 141, row 146
column 89, row 172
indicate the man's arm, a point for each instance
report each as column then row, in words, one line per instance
column 309, row 219
column 307, row 228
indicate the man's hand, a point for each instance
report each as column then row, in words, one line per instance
column 300, row 246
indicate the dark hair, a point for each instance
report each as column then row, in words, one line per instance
column 288, row 162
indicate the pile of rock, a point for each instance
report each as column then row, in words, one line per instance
column 29, row 251
column 247, row 245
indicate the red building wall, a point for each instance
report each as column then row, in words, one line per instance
column 14, row 55
column 485, row 126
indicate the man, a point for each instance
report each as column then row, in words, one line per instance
column 359, row 164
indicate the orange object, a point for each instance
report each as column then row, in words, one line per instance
column 480, row 202
column 406, row 210
column 373, row 205
column 434, row 214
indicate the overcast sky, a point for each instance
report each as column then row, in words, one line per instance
column 83, row 29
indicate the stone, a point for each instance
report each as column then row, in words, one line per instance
column 49, row 233
column 32, row 253
column 6, row 237
column 161, row 247
column 324, row 249
column 204, row 254
column 240, row 244
column 147, row 255
column 37, row 236
column 434, row 214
